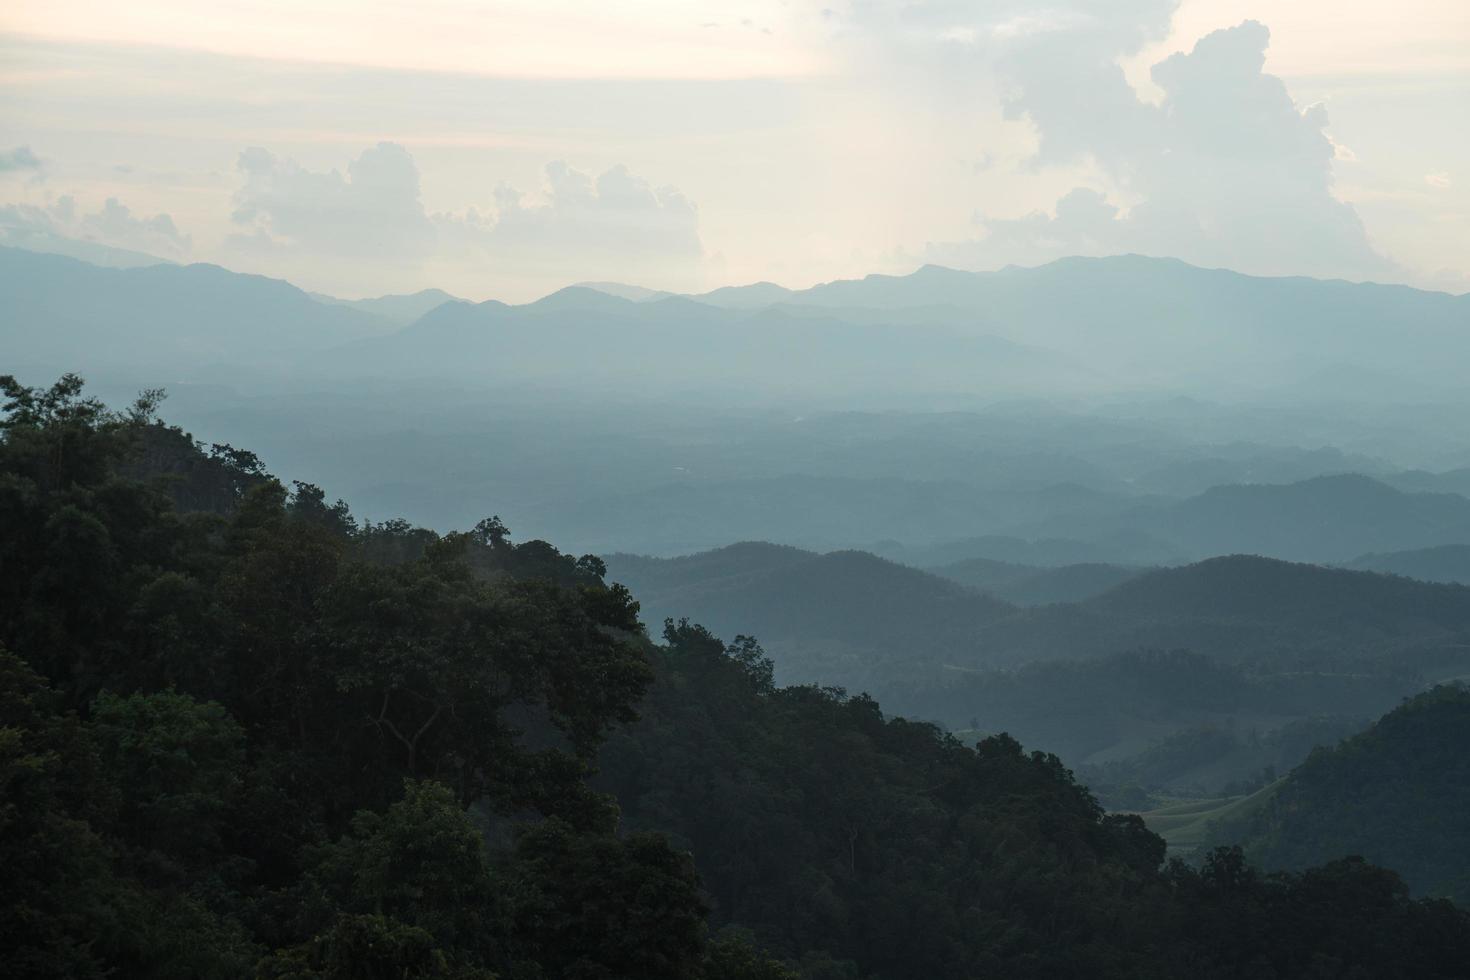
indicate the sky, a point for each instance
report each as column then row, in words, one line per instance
column 506, row 149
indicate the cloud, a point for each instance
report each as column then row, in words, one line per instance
column 1439, row 179
column 1084, row 224
column 616, row 218
column 1063, row 74
column 374, row 211
column 576, row 226
column 1226, row 171
column 116, row 225
column 44, row 226
column 616, row 225
column 19, row 159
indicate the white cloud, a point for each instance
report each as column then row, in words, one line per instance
column 1439, row 179
column 617, row 215
column 19, row 159
column 372, row 217
column 115, row 224
column 374, row 211
column 616, row 225
column 1226, row 171
column 41, row 226
column 806, row 167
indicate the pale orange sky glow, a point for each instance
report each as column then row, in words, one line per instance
column 776, row 140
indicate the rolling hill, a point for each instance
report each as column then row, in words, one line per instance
column 1273, row 641
column 1323, row 519
column 1397, row 794
column 583, row 335
column 1445, row 563
column 837, row 618
column 400, row 310
column 64, row 314
column 1027, row 585
column 1074, row 326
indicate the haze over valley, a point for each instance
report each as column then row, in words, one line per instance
column 694, row 492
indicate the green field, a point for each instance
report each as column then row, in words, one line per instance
column 1185, row 824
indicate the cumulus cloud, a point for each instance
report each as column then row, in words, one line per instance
column 575, row 226
column 1065, row 75
column 373, row 211
column 47, row 227
column 115, row 224
column 1084, row 224
column 1227, row 170
column 19, row 159
column 616, row 217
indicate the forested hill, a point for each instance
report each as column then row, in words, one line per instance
column 841, row 601
column 263, row 739
column 1445, row 563
column 1398, row 794
column 851, row 618
column 1032, row 586
column 1244, row 587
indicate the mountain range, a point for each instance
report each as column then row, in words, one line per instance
column 1072, row 326
column 669, row 425
column 854, row 619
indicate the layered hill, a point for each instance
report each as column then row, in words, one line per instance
column 1324, row 519
column 1075, row 326
column 1294, row 640
column 1397, row 794
column 1238, row 608
column 839, row 618
column 62, row 313
column 1028, row 585
column 263, row 739
column 581, row 335
column 1072, row 325
column 1445, row 563
column 1249, row 609
column 398, row 309
column 1328, row 518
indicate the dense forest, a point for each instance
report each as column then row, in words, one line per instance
column 1398, row 793
column 244, row 734
column 1233, row 657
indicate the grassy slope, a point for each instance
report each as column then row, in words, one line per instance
column 1185, row 824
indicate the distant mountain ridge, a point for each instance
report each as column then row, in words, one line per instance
column 72, row 315
column 1074, row 326
column 829, row 602
column 861, row 619
column 1323, row 519
column 1442, row 563
column 1077, row 325
column 81, row 249
column 400, row 310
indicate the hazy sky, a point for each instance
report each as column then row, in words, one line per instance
column 506, row 149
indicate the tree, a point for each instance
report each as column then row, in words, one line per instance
column 176, row 766
column 421, row 863
column 591, row 906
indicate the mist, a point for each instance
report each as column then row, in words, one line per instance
column 791, row 492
